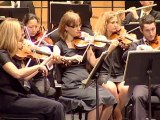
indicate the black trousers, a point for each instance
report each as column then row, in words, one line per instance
column 140, row 100
column 51, row 109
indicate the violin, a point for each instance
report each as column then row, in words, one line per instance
column 81, row 44
column 31, row 51
column 83, row 41
column 28, row 50
column 39, row 35
column 124, row 39
column 155, row 43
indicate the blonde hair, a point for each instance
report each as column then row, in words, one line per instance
column 68, row 19
column 10, row 34
column 103, row 20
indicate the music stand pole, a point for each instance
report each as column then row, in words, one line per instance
column 87, row 81
column 149, row 72
column 97, row 100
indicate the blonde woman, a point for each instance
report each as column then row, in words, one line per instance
column 111, row 72
column 14, row 97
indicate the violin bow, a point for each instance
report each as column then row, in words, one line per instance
column 133, row 29
column 51, row 32
column 87, row 48
column 46, row 35
column 130, row 38
column 29, row 40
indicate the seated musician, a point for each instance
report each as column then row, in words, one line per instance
column 33, row 37
column 149, row 41
column 135, row 15
column 14, row 98
column 74, row 73
column 112, row 70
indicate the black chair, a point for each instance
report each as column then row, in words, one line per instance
column 155, row 106
column 72, row 106
column 8, row 116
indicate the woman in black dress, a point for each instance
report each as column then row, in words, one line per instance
column 14, row 98
column 73, row 74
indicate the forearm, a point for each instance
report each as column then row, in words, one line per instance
column 11, row 69
column 91, row 57
column 30, row 76
column 29, row 71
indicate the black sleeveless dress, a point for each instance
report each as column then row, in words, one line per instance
column 72, row 77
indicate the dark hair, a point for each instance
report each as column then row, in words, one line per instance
column 147, row 19
column 28, row 17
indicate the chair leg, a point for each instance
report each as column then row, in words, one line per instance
column 72, row 115
column 80, row 115
column 86, row 115
column 128, row 112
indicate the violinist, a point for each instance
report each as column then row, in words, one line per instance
column 32, row 22
column 135, row 15
column 33, row 37
column 112, row 70
column 15, row 99
column 27, row 52
column 140, row 92
column 72, row 75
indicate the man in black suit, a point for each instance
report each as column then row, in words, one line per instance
column 19, row 4
column 135, row 15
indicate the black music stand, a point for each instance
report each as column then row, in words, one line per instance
column 88, row 81
column 143, row 65
column 14, row 12
column 82, row 9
